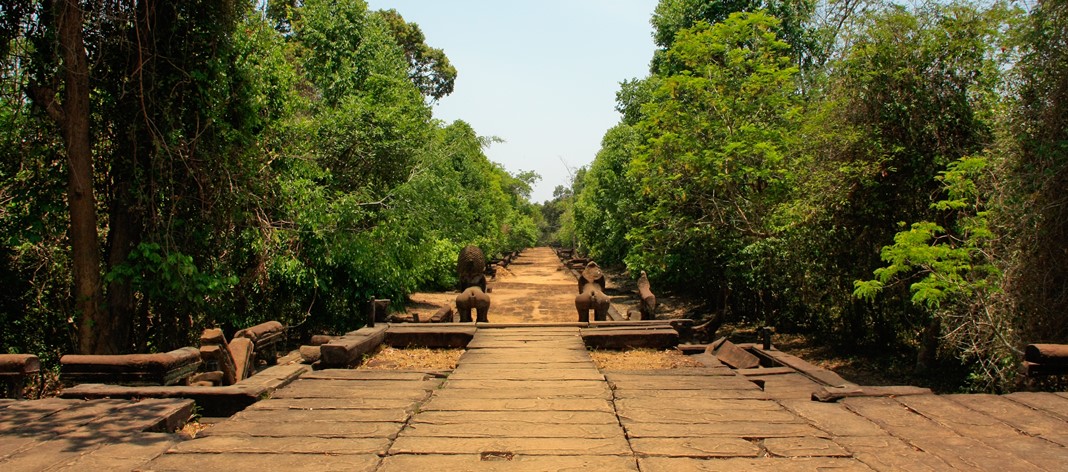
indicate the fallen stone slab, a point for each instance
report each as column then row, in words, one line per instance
column 890, row 453
column 217, row 357
column 310, row 354
column 212, row 337
column 803, row 367
column 736, row 357
column 266, row 338
column 130, row 369
column 433, row 337
column 348, row 350
column 833, row 394
column 656, row 338
column 1047, row 354
column 242, row 351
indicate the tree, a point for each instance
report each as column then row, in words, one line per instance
column 72, row 113
column 428, row 68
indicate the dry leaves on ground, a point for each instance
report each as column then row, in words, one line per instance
column 388, row 358
column 642, row 359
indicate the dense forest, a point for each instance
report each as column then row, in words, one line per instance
column 886, row 177
column 889, row 178
column 166, row 166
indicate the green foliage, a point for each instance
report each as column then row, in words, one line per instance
column 949, row 264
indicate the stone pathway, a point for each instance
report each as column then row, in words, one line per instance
column 77, row 435
column 530, row 399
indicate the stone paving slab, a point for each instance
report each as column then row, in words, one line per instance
column 515, row 417
column 517, row 463
column 958, row 451
column 384, row 415
column 737, row 429
column 818, row 464
column 531, row 392
column 804, row 447
column 525, row 375
column 682, row 382
column 436, row 403
column 364, row 403
column 890, row 454
column 987, row 430
column 833, row 418
column 340, row 429
column 1017, row 415
column 616, row 446
column 697, row 447
column 215, row 444
column 512, row 430
column 265, row 462
column 748, row 393
column 1049, row 403
column 353, row 374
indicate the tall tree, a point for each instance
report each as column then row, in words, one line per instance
column 72, row 115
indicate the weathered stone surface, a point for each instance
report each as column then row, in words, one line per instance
column 516, row 417
column 525, row 375
column 1019, row 416
column 816, row 464
column 833, row 394
column 752, row 393
column 804, row 447
column 959, row 452
column 695, row 447
column 890, row 454
column 682, row 382
column 437, row 403
column 508, row 429
column 833, row 418
column 743, row 429
column 704, row 415
column 130, row 454
column 240, row 461
column 1048, row 403
column 987, row 430
column 507, row 463
column 395, row 415
column 360, row 375
column 546, row 391
column 338, row 429
column 532, row 446
column 219, row 444
column 368, row 403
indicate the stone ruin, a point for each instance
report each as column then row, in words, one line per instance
column 471, row 269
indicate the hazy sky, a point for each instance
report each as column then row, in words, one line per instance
column 540, row 74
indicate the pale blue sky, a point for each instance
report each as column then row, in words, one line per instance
column 542, row 75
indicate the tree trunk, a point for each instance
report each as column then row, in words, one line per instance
column 94, row 326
